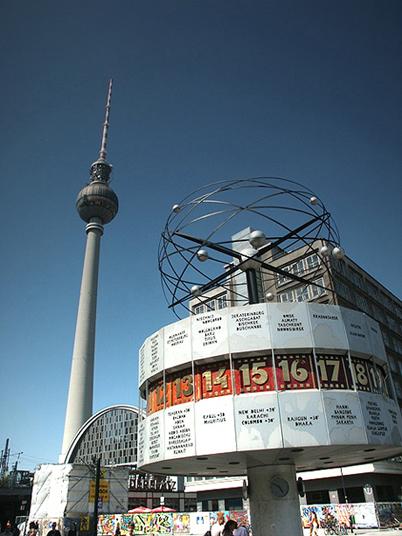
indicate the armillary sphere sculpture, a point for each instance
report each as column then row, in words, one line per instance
column 199, row 229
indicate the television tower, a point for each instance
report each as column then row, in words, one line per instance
column 97, row 205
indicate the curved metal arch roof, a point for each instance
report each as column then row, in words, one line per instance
column 85, row 427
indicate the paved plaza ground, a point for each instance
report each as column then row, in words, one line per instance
column 366, row 532
column 373, row 532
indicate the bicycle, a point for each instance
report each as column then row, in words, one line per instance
column 331, row 528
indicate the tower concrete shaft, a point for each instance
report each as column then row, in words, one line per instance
column 97, row 205
column 80, row 394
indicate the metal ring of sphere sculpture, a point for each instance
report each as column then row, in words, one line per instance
column 202, row 230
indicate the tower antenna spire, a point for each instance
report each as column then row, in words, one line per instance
column 102, row 151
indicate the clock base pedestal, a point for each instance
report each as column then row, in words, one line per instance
column 274, row 500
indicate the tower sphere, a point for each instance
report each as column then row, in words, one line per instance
column 196, row 290
column 257, row 239
column 325, row 251
column 202, row 255
column 97, row 200
column 338, row 253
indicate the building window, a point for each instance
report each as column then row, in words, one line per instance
column 315, row 291
column 356, row 278
column 210, row 305
column 361, row 302
column 343, row 290
column 302, row 294
column 190, row 505
column 317, row 497
column 297, row 268
column 286, row 296
column 398, row 346
column 393, row 363
column 385, row 337
column 198, row 309
column 281, row 278
column 379, row 314
column 385, row 493
column 235, row 503
column 354, row 495
column 398, row 389
column 372, row 290
column 391, row 323
column 220, row 302
column 312, row 261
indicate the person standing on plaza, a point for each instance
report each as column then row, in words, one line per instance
column 73, row 530
column 241, row 530
column 53, row 531
column 352, row 523
column 230, row 526
column 8, row 530
column 33, row 528
column 314, row 524
column 217, row 527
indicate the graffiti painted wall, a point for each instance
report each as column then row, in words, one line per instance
column 143, row 524
column 181, row 523
column 199, row 522
column 241, row 516
column 176, row 524
column 363, row 515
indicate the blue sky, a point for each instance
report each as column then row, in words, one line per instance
column 203, row 90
